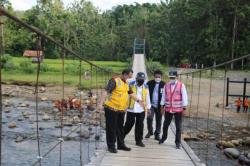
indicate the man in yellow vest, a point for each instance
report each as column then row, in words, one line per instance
column 115, row 107
column 136, row 113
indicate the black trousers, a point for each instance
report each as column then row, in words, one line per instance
column 114, row 128
column 137, row 119
column 178, row 122
column 245, row 109
column 238, row 108
column 158, row 119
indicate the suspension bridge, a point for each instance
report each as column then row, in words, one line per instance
column 207, row 122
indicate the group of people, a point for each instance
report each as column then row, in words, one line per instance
column 244, row 103
column 138, row 99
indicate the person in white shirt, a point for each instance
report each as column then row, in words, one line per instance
column 174, row 101
column 136, row 113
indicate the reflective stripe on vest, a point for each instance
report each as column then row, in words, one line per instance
column 144, row 96
column 118, row 100
column 173, row 102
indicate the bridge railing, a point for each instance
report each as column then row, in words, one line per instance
column 88, row 74
column 209, row 126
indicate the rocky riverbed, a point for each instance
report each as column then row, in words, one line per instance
column 20, row 138
column 216, row 143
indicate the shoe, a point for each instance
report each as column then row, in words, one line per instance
column 140, row 144
column 112, row 150
column 124, row 147
column 148, row 135
column 157, row 137
column 178, row 146
column 161, row 141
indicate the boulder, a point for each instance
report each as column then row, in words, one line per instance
column 246, row 141
column 7, row 111
column 236, row 142
column 12, row 125
column 19, row 139
column 46, row 117
column 224, row 144
column 85, row 134
column 232, row 153
column 244, row 160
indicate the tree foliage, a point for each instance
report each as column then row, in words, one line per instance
column 194, row 31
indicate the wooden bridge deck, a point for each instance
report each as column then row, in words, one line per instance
column 162, row 155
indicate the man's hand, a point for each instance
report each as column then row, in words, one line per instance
column 162, row 110
column 141, row 103
column 148, row 112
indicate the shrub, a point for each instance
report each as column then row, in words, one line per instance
column 27, row 67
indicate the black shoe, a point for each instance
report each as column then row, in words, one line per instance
column 140, row 144
column 124, row 147
column 161, row 141
column 178, row 146
column 157, row 137
column 112, row 150
column 148, row 135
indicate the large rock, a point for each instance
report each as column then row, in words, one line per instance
column 244, row 160
column 225, row 144
column 85, row 134
column 232, row 153
column 246, row 141
column 190, row 137
column 237, row 142
column 19, row 139
column 12, row 125
column 46, row 117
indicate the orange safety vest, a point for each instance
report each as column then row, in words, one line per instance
column 238, row 103
column 246, row 103
column 173, row 101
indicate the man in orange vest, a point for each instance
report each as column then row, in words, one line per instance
column 245, row 105
column 238, row 104
column 174, row 101
column 115, row 107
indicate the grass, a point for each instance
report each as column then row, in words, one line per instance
column 53, row 74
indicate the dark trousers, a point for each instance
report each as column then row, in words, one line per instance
column 245, row 108
column 137, row 119
column 238, row 108
column 158, row 118
column 114, row 128
column 167, row 121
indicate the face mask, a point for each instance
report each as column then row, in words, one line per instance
column 140, row 82
column 157, row 80
column 172, row 81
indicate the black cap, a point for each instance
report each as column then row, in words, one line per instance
column 172, row 73
column 140, row 75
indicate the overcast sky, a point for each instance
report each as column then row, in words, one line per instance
column 101, row 4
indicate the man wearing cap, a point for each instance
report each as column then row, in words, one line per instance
column 115, row 106
column 174, row 101
column 136, row 113
column 155, row 87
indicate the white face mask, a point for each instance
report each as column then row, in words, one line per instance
column 157, row 80
column 172, row 81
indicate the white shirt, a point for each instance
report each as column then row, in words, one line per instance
column 183, row 92
column 137, row 108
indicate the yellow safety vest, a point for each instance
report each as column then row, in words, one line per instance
column 144, row 96
column 118, row 100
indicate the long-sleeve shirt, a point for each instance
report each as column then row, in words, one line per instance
column 155, row 96
column 137, row 108
column 183, row 92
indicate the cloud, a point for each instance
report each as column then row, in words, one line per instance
column 101, row 4
column 22, row 4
